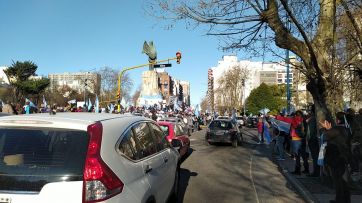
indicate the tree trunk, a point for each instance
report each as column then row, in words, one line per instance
column 318, row 90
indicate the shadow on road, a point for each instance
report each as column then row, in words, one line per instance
column 185, row 175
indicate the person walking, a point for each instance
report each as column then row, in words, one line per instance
column 337, row 155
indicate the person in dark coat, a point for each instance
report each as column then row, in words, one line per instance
column 337, row 155
column 313, row 140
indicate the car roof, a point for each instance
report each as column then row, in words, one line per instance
column 166, row 123
column 68, row 120
column 221, row 119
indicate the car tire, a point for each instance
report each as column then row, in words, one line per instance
column 175, row 188
column 240, row 142
column 234, row 143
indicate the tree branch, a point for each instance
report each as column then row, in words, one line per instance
column 354, row 24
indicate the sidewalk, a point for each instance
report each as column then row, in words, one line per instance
column 312, row 189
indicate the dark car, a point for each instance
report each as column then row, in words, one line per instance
column 252, row 122
column 223, row 131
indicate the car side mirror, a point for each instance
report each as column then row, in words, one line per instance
column 177, row 144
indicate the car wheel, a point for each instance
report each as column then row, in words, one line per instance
column 235, row 143
column 240, row 141
column 175, row 187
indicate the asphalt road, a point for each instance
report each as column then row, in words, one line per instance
column 221, row 173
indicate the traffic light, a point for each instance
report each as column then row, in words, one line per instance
column 178, row 57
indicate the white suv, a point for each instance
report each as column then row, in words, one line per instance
column 85, row 157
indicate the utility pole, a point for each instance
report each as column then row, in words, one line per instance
column 243, row 81
column 287, row 62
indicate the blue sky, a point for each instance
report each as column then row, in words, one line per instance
column 80, row 35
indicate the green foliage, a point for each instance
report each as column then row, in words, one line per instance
column 263, row 97
column 19, row 73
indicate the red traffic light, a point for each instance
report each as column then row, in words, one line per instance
column 178, row 57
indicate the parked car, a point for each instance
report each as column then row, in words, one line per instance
column 223, row 131
column 175, row 131
column 223, row 117
column 240, row 121
column 185, row 127
column 85, row 157
column 252, row 122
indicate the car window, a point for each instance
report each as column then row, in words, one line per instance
column 128, row 145
column 222, row 125
column 165, row 129
column 145, row 140
column 178, row 130
column 43, row 155
column 161, row 141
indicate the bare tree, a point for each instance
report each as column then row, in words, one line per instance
column 204, row 104
column 109, row 81
column 136, row 96
column 230, row 88
column 305, row 27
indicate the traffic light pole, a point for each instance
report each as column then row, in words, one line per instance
column 134, row 67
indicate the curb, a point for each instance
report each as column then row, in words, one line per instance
column 306, row 195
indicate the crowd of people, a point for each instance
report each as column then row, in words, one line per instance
column 335, row 148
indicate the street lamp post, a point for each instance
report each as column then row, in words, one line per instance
column 243, row 81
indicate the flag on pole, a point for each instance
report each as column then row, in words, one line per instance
column 123, row 103
column 73, row 101
column 44, row 102
column 96, row 105
column 197, row 109
column 31, row 104
column 111, row 108
column 89, row 104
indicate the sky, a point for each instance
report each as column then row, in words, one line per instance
column 85, row 35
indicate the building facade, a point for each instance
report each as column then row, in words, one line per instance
column 81, row 81
column 270, row 73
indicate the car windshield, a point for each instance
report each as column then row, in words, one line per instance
column 165, row 129
column 223, row 125
column 32, row 157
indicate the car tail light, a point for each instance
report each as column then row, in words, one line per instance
column 99, row 181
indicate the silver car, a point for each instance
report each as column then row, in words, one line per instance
column 85, row 157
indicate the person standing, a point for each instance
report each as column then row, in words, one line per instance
column 297, row 133
column 313, row 141
column 27, row 107
column 260, row 130
column 354, row 126
column 336, row 157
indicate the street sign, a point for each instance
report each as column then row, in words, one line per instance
column 162, row 65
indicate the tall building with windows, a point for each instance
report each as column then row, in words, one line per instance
column 80, row 81
column 270, row 73
column 171, row 88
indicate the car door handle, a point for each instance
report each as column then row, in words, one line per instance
column 148, row 169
